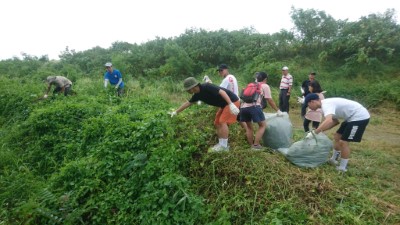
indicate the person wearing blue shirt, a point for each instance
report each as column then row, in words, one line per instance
column 114, row 77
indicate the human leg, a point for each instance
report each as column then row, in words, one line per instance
column 249, row 133
column 315, row 124
column 260, row 132
column 306, row 124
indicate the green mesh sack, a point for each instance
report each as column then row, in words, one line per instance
column 278, row 133
column 309, row 152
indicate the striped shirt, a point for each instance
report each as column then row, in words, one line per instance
column 286, row 81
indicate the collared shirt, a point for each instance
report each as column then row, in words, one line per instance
column 286, row 81
column 114, row 77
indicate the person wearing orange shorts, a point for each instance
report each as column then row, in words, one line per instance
column 211, row 94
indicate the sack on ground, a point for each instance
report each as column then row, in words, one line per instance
column 278, row 133
column 309, row 152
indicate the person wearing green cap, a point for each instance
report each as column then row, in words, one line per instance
column 227, row 101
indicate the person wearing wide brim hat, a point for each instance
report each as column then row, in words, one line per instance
column 211, row 94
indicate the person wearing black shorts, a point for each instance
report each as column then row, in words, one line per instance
column 356, row 118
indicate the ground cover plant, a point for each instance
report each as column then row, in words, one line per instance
column 95, row 158
column 102, row 159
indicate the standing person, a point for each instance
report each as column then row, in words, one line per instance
column 356, row 119
column 229, row 82
column 306, row 83
column 114, row 77
column 252, row 112
column 285, row 89
column 62, row 84
column 305, row 91
column 211, row 94
column 312, row 115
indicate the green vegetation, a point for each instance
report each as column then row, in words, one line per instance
column 94, row 158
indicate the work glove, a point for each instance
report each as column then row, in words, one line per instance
column 302, row 90
column 45, row 96
column 279, row 113
column 234, row 109
column 300, row 100
column 310, row 134
column 174, row 113
column 116, row 87
column 207, row 79
column 198, row 102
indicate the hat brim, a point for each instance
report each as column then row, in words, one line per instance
column 192, row 86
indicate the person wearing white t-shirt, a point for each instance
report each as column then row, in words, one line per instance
column 356, row 118
column 229, row 82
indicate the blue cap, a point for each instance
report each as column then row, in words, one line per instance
column 309, row 97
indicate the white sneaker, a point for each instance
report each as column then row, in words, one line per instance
column 218, row 148
column 333, row 162
column 341, row 169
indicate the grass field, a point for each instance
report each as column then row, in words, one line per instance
column 251, row 187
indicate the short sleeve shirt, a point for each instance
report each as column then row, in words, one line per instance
column 209, row 94
column 345, row 109
column 230, row 83
column 286, row 81
column 59, row 81
column 266, row 91
column 114, row 77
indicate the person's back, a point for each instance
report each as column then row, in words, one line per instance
column 58, row 81
column 345, row 109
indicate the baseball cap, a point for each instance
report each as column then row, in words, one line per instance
column 285, row 68
column 108, row 64
column 310, row 97
column 189, row 83
column 222, row 67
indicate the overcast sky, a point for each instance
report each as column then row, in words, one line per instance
column 46, row 27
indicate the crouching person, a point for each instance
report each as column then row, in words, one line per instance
column 62, row 85
column 211, row 94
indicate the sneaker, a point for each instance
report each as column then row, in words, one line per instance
column 333, row 162
column 256, row 147
column 341, row 169
column 218, row 148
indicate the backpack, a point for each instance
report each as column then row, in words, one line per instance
column 252, row 92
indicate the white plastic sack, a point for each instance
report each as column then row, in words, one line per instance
column 278, row 133
column 309, row 152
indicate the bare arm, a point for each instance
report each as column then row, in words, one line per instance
column 183, row 107
column 119, row 82
column 48, row 88
column 272, row 104
column 327, row 124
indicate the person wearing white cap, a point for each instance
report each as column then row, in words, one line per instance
column 62, row 84
column 285, row 89
column 114, row 77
